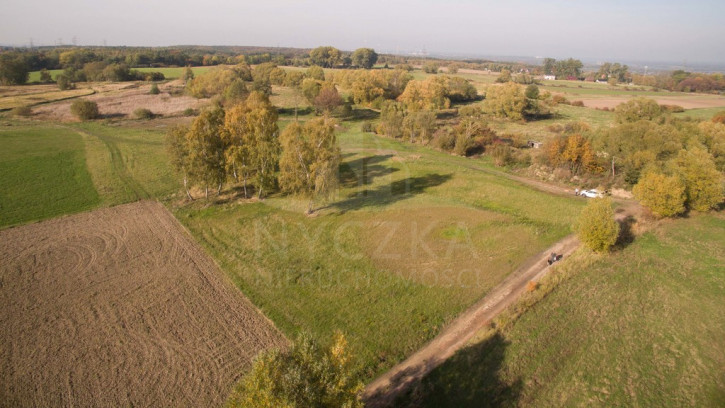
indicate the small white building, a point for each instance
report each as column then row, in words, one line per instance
column 550, row 77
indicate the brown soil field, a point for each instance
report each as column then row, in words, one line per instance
column 123, row 100
column 120, row 307
column 686, row 101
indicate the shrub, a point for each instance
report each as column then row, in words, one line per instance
column 367, row 127
column 84, row 109
column 559, row 100
column 578, row 103
column 673, row 108
column 22, row 111
column 532, row 286
column 719, row 117
column 444, row 139
column 189, row 112
column 596, row 226
column 63, row 82
column 154, row 89
column 143, row 113
column 502, row 154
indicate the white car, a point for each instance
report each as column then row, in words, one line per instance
column 591, row 194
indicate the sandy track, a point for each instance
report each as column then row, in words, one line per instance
column 119, row 307
column 383, row 390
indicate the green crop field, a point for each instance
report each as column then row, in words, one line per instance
column 176, row 72
column 43, row 174
column 640, row 327
column 49, row 170
column 413, row 237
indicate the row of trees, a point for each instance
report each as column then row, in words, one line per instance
column 565, row 69
column 243, row 144
column 683, row 81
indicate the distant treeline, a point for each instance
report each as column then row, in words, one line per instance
column 683, row 81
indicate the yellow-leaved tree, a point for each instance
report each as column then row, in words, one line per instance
column 663, row 195
column 307, row 375
column 596, row 226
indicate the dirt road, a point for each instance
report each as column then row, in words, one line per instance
column 383, row 390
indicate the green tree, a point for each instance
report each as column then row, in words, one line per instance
column 178, row 149
column 637, row 109
column 663, row 195
column 154, row 89
column 703, row 182
column 418, row 127
column 13, row 69
column 504, row 77
column 206, row 146
column 364, row 58
column 63, row 82
column 596, row 226
column 188, row 74
column 307, row 375
column 310, row 89
column 392, row 115
column 45, row 76
column 327, row 57
column 315, row 72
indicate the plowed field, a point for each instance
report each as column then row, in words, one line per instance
column 119, row 307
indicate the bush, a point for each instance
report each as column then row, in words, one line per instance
column 21, row 111
column 719, row 117
column 673, row 108
column 502, row 154
column 189, row 112
column 596, row 226
column 63, row 82
column 143, row 113
column 84, row 109
column 663, row 195
column 444, row 139
column 578, row 103
column 367, row 127
column 154, row 89
column 559, row 100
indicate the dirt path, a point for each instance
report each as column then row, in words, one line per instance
column 383, row 390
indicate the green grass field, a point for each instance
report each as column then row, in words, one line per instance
column 49, row 170
column 169, row 73
column 640, row 327
column 44, row 174
column 413, row 237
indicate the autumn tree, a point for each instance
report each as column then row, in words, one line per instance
column 310, row 159
column 596, row 226
column 663, row 195
column 364, row 58
column 506, row 101
column 306, row 375
column 187, row 75
column 504, row 76
column 315, row 72
column 206, row 146
column 326, row 57
column 327, row 99
column 703, row 182
column 637, row 109
column 262, row 133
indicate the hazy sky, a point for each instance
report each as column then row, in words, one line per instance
column 604, row 29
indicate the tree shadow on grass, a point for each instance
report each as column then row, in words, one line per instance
column 363, row 171
column 471, row 378
column 390, row 193
column 626, row 235
column 363, row 114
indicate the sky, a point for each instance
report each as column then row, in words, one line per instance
column 606, row 30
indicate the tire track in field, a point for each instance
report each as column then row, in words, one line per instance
column 118, row 165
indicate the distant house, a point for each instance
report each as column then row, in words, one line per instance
column 550, row 77
column 534, row 144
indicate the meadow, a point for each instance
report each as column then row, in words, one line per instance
column 640, row 327
column 413, row 237
column 54, row 169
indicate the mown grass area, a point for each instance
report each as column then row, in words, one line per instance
column 412, row 238
column 640, row 327
column 42, row 174
column 175, row 72
column 700, row 114
column 34, row 76
column 9, row 102
column 127, row 164
column 49, row 170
